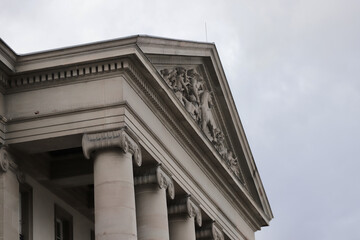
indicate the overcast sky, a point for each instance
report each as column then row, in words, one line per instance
column 294, row 70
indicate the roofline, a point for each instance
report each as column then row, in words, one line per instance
column 135, row 37
column 8, row 57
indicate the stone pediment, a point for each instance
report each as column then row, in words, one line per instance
column 192, row 89
column 184, row 79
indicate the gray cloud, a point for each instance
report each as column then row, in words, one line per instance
column 293, row 67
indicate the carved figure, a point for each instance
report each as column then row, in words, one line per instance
column 180, row 80
column 169, row 76
column 233, row 164
column 207, row 119
column 196, row 86
column 219, row 143
column 193, row 109
column 181, row 97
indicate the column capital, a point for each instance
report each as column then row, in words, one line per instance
column 157, row 176
column 210, row 230
column 110, row 139
column 186, row 206
column 7, row 162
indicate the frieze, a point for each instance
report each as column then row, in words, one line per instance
column 190, row 89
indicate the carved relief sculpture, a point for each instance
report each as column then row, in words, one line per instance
column 189, row 88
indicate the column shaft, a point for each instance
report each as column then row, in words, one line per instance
column 182, row 227
column 9, row 206
column 151, row 211
column 115, row 215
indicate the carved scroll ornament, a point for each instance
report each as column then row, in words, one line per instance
column 210, row 231
column 157, row 176
column 186, row 206
column 117, row 138
column 7, row 163
column 189, row 88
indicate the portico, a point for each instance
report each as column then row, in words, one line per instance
column 133, row 138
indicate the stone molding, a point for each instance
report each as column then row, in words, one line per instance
column 157, row 176
column 7, row 162
column 111, row 139
column 186, row 206
column 56, row 76
column 210, row 231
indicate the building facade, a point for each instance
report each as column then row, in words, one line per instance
column 132, row 138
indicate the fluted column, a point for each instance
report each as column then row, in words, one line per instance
column 151, row 206
column 182, row 217
column 9, row 196
column 113, row 153
column 210, row 231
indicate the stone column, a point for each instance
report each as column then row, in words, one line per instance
column 182, row 216
column 9, row 196
column 113, row 153
column 210, row 231
column 151, row 205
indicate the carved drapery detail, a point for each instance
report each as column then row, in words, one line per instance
column 186, row 206
column 189, row 88
column 7, row 163
column 157, row 176
column 117, row 138
column 210, row 231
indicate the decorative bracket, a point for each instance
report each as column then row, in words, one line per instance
column 186, row 206
column 157, row 176
column 118, row 138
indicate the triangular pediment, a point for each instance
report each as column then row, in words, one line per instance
column 202, row 90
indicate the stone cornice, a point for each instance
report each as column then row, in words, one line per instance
column 159, row 177
column 7, row 56
column 186, row 206
column 210, row 231
column 111, row 139
column 63, row 75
